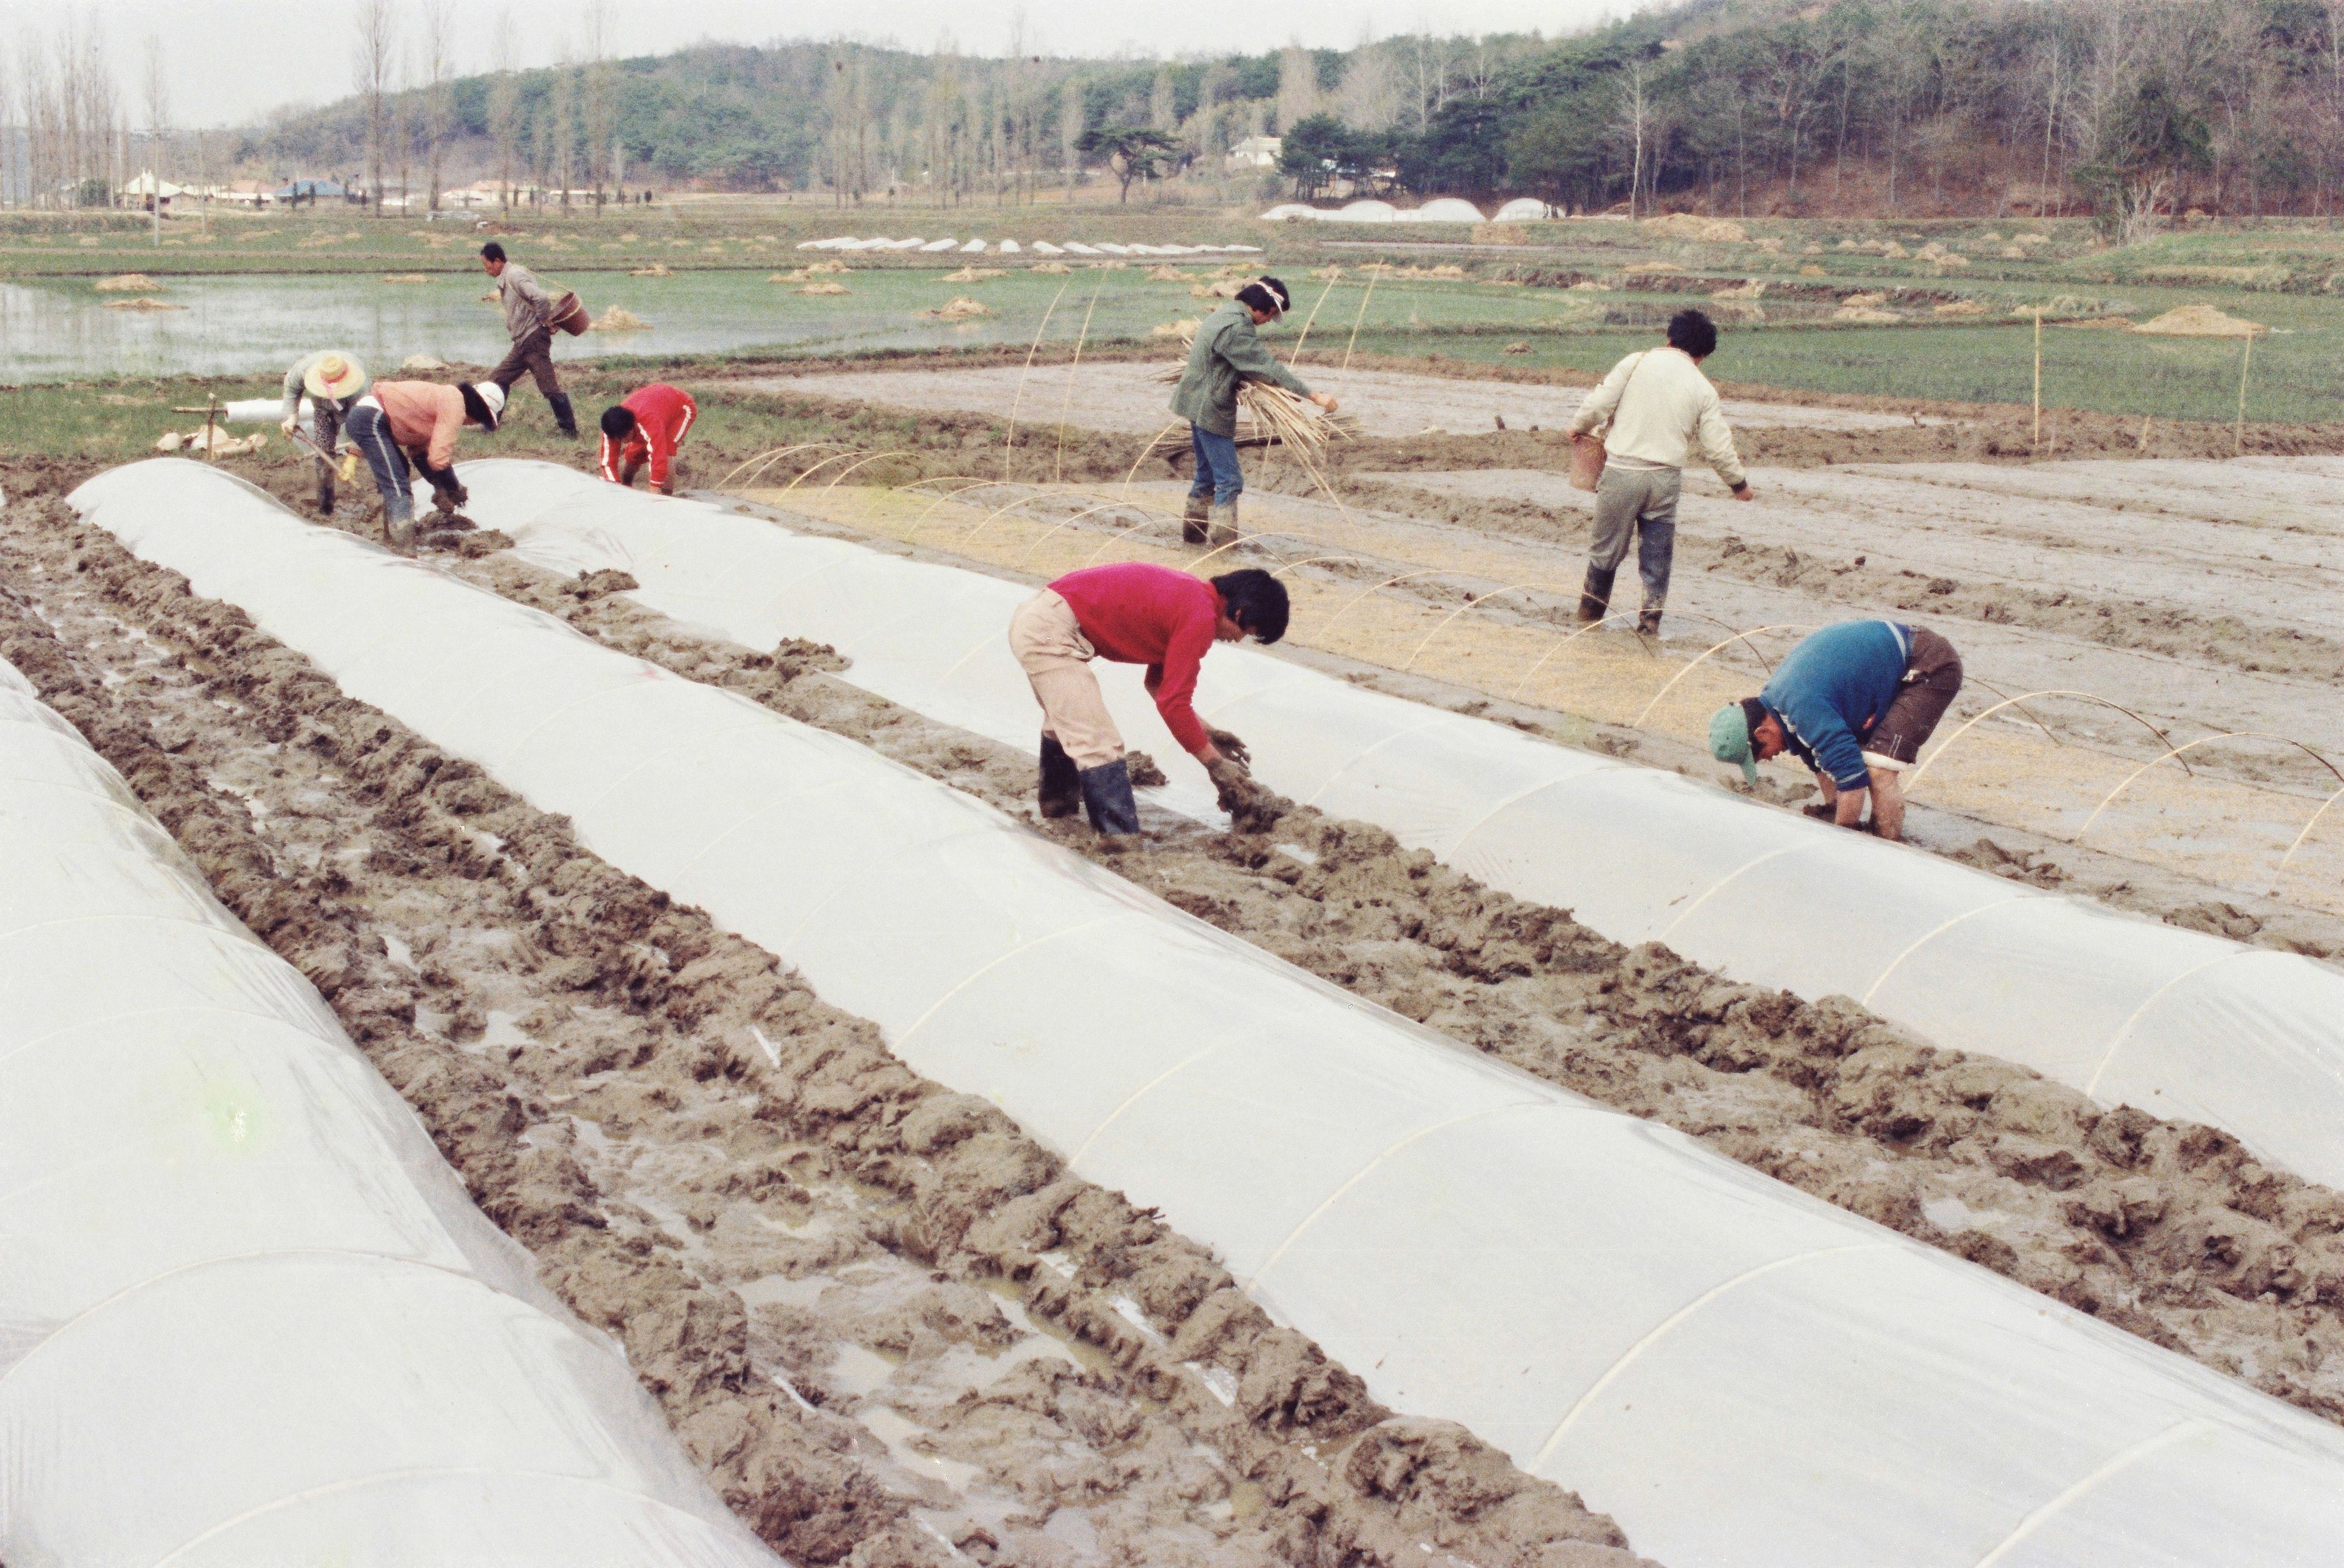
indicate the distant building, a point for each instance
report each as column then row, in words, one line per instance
column 144, row 190
column 240, row 193
column 1254, row 152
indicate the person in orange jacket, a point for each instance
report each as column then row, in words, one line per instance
column 401, row 422
column 649, row 426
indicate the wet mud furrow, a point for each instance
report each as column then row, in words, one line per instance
column 2167, row 1228
column 890, row 1327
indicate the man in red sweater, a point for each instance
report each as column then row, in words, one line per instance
column 1133, row 613
column 650, row 424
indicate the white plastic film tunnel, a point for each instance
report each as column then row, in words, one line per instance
column 247, row 1315
column 1741, row 1375
column 2129, row 1011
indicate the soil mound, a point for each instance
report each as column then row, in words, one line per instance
column 959, row 307
column 142, row 303
column 2200, row 322
column 126, row 283
column 1692, row 225
column 619, row 319
column 824, row 288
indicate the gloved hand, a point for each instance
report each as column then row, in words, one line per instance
column 289, row 426
column 1232, row 785
column 1230, row 746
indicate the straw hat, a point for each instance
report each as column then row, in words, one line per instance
column 333, row 376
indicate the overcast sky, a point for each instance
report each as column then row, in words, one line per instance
column 229, row 63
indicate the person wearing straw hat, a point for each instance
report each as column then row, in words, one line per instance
column 1133, row 613
column 401, row 423
column 1662, row 408
column 1854, row 701
column 1225, row 353
column 333, row 382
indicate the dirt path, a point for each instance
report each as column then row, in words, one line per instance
column 2165, row 1229
column 891, row 1329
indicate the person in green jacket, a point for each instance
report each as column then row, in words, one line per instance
column 1226, row 352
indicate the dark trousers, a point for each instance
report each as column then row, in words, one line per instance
column 534, row 355
column 324, row 429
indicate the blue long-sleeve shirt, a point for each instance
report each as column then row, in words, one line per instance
column 1834, row 688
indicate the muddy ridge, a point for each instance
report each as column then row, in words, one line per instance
column 891, row 1327
column 2165, row 1229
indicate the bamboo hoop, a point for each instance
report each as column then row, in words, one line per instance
column 1912, row 780
column 1472, row 604
column 1009, row 446
column 770, row 456
column 1304, row 336
column 1364, row 298
column 2175, row 753
column 2280, row 873
column 1066, row 399
column 812, row 469
column 1742, row 637
column 1065, row 523
column 1565, row 641
column 2238, row 433
column 832, row 482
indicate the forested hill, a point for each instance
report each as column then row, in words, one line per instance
column 1903, row 105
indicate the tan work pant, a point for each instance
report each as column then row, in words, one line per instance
column 1056, row 657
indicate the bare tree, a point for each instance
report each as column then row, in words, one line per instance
column 158, row 126
column 1071, row 126
column 1429, row 57
column 375, row 60
column 504, row 107
column 561, row 115
column 1370, row 96
column 1635, row 121
column 440, row 100
column 600, row 112
column 1297, row 87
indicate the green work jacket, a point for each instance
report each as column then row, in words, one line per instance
column 1226, row 350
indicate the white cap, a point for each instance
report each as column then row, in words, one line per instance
column 492, row 395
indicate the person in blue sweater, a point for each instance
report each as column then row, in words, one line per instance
column 1853, row 702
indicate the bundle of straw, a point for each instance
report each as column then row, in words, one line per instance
column 1279, row 415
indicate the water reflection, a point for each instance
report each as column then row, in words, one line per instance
column 60, row 329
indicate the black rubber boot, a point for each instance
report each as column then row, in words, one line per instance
column 1648, row 623
column 1595, row 596
column 326, row 495
column 1062, row 784
column 563, row 416
column 1107, row 792
column 1197, row 522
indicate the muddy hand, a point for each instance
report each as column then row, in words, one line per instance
column 1231, row 783
column 1231, row 748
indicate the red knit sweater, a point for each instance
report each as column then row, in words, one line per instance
column 1136, row 614
column 662, row 413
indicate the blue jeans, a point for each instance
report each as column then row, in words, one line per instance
column 370, row 433
column 1217, row 467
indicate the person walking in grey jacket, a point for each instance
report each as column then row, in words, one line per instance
column 529, row 320
column 1662, row 408
column 1226, row 352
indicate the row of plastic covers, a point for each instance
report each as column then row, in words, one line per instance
column 247, row 1315
column 1741, row 1375
column 2178, row 1023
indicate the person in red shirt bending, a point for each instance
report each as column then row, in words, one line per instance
column 650, row 424
column 1133, row 614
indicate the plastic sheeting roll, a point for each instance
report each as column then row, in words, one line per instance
column 247, row 1315
column 2130, row 1011
column 1741, row 1374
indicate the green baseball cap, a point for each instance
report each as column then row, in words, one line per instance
column 1729, row 739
